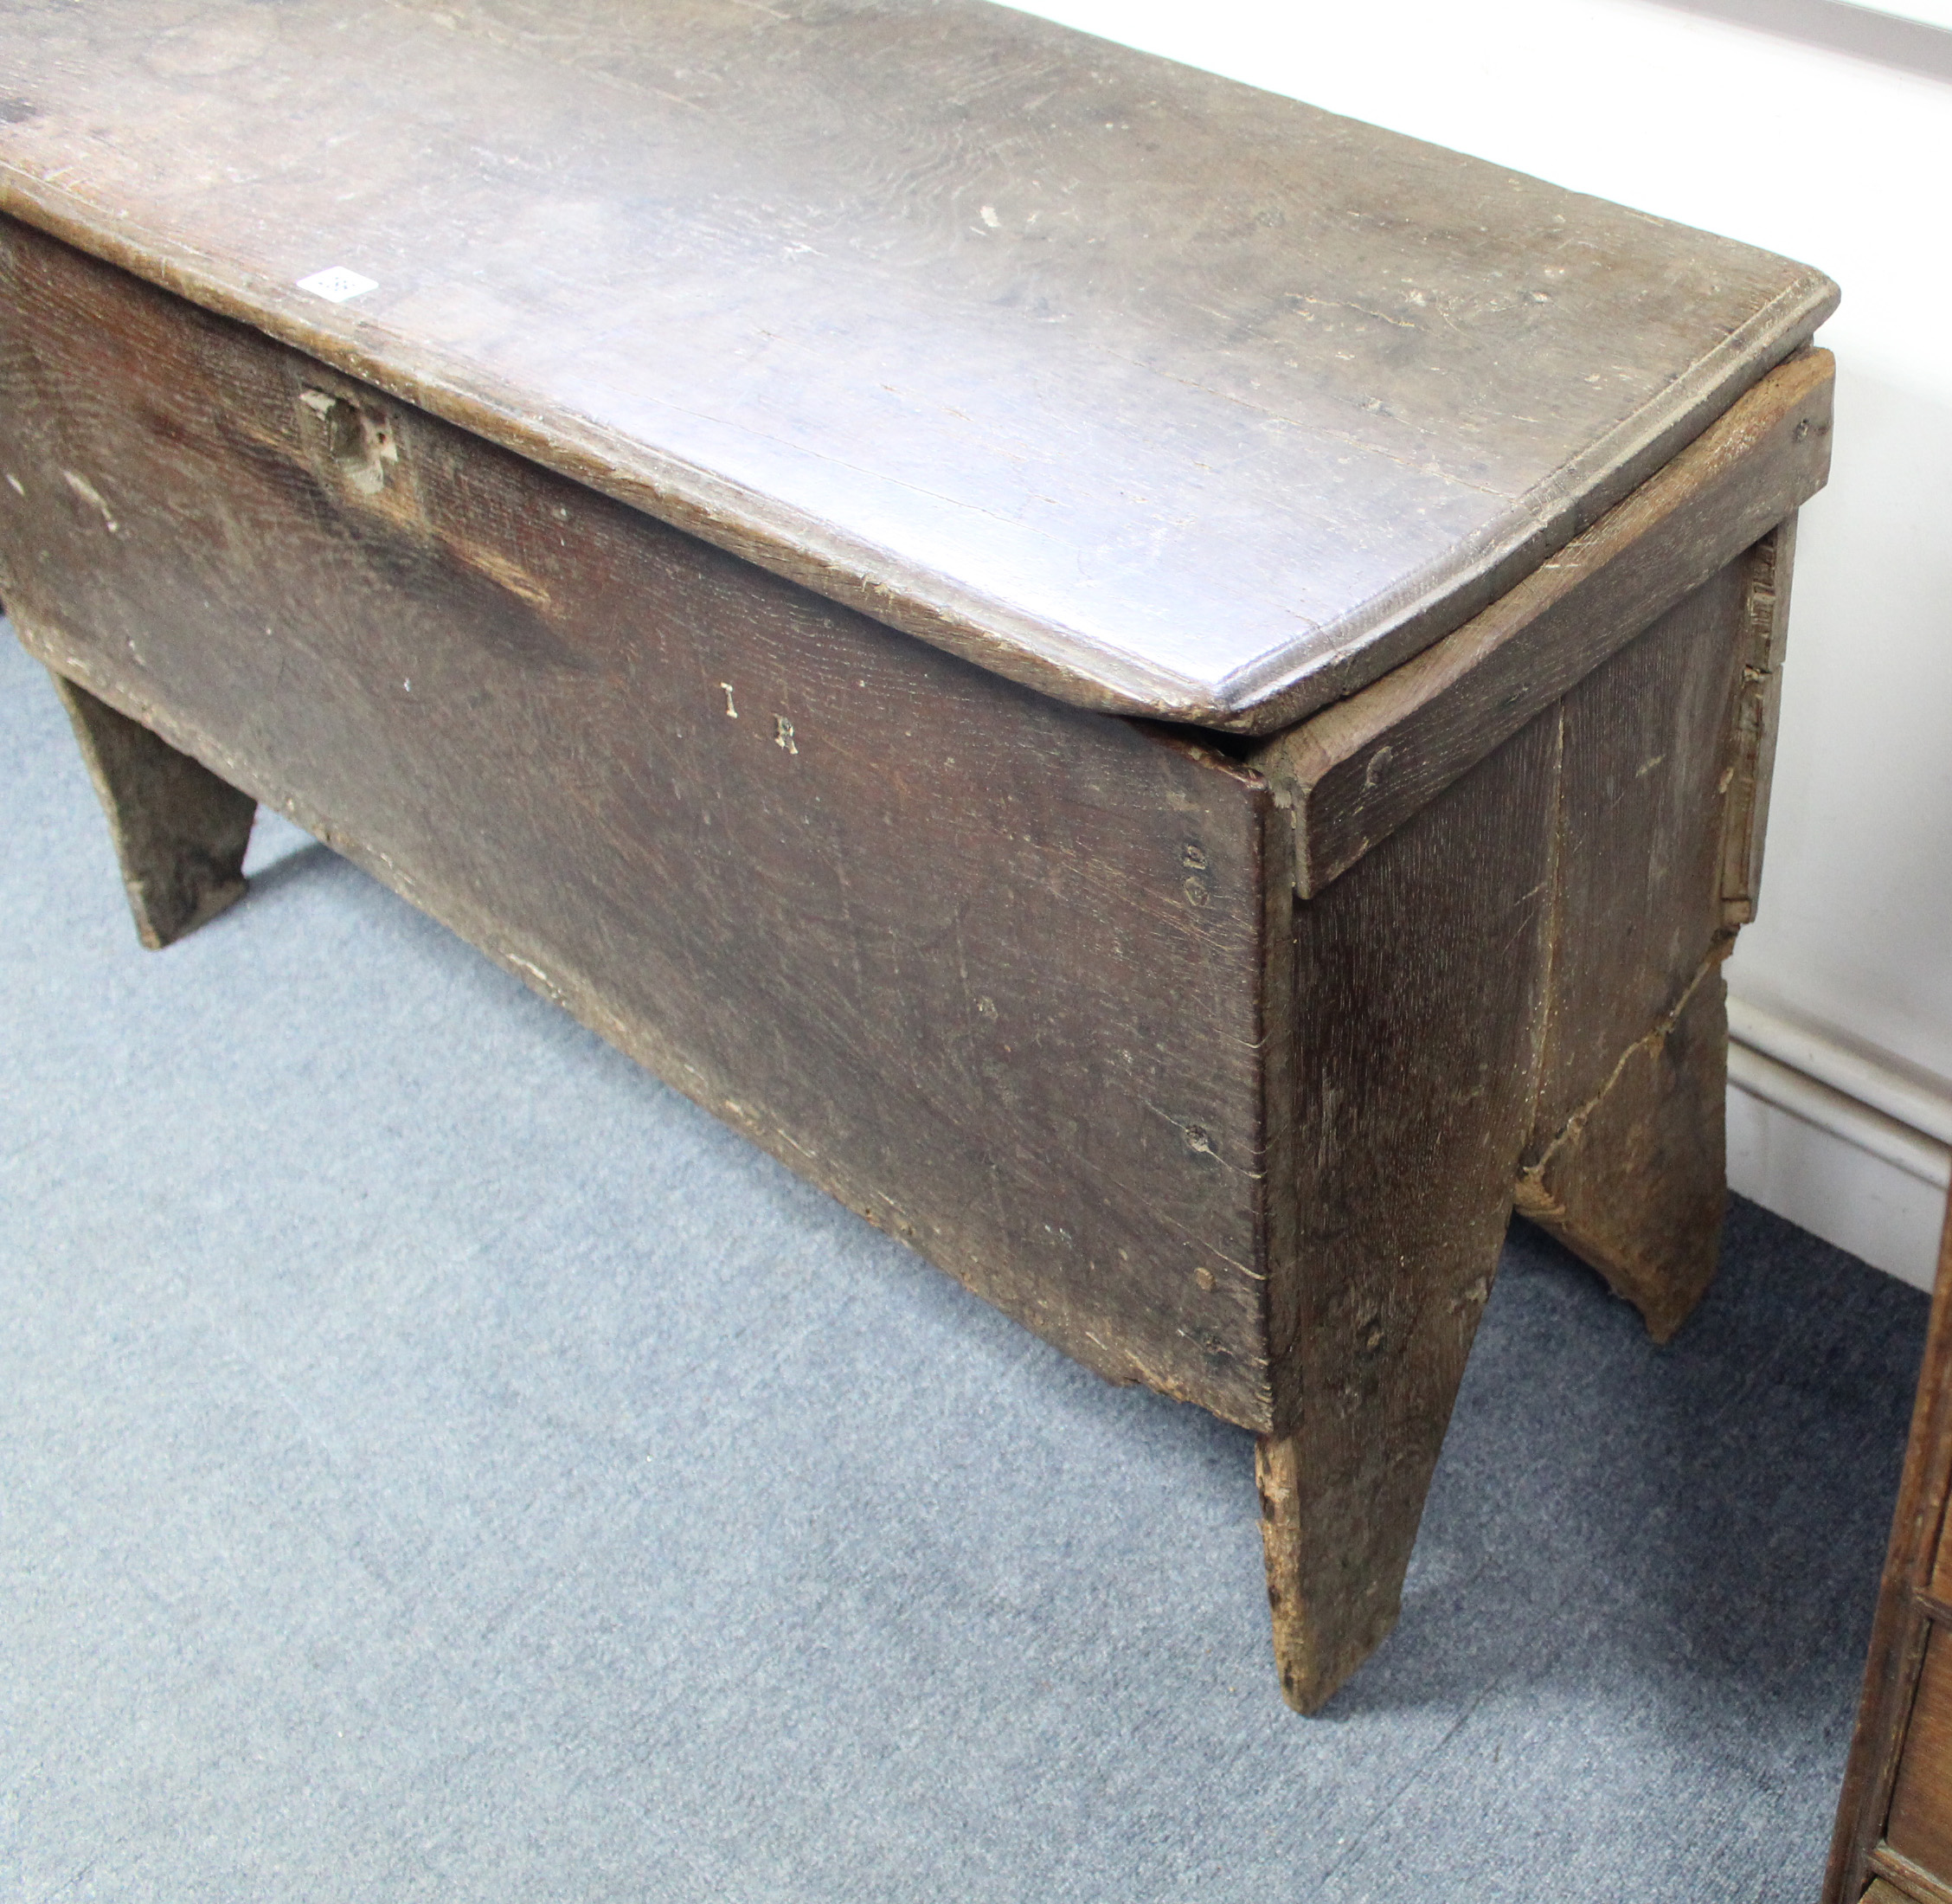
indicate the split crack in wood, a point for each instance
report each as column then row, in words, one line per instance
column 1532, row 1197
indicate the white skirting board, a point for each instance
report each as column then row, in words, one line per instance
column 1845, row 1144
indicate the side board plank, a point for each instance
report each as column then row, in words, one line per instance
column 1625, row 1161
column 1049, row 994
column 1416, row 1070
column 1548, row 1031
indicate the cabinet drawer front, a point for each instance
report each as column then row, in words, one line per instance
column 1920, row 1826
column 1940, row 1585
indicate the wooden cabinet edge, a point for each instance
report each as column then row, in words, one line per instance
column 1898, row 1634
column 1903, row 1882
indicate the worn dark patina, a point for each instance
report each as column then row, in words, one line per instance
column 524, row 443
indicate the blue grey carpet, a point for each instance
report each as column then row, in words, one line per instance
column 438, row 1462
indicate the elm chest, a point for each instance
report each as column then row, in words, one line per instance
column 1168, row 694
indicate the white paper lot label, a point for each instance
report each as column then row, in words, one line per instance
column 338, row 284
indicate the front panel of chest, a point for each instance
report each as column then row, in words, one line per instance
column 989, row 969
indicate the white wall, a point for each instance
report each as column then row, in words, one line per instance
column 1842, row 1102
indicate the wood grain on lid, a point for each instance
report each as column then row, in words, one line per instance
column 1158, row 393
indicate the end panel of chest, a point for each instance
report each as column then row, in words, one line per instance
column 987, row 968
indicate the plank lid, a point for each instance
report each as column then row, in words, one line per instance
column 1159, row 393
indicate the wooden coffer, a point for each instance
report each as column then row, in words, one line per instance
column 1170, row 695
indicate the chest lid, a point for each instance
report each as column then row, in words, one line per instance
column 1159, row 393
